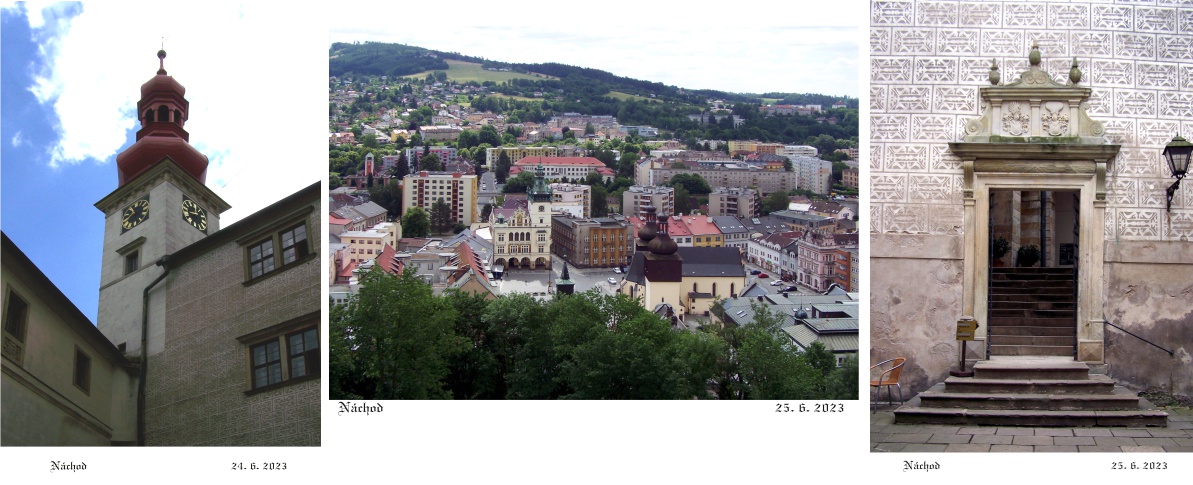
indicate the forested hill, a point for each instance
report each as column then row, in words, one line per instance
column 384, row 59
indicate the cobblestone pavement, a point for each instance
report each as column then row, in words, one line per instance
column 886, row 436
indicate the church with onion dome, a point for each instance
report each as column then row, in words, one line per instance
column 688, row 279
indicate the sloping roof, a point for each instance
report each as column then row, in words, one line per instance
column 710, row 261
column 370, row 209
column 729, row 224
column 23, row 268
column 805, row 337
column 388, row 262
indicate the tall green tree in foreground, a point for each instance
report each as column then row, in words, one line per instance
column 441, row 216
column 398, row 337
column 416, row 223
column 503, row 166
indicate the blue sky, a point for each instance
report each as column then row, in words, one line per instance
column 748, row 46
column 71, row 79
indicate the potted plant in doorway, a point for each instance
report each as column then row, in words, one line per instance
column 1000, row 246
column 1028, row 256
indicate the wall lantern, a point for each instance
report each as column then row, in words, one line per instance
column 1177, row 152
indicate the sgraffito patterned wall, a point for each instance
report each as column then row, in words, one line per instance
column 929, row 59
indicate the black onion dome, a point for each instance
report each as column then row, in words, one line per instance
column 663, row 245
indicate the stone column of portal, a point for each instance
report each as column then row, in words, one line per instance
column 1049, row 210
column 1004, row 210
column 1029, row 221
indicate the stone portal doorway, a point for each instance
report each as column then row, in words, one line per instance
column 1035, row 136
column 1033, row 272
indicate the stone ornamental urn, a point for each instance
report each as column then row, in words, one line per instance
column 994, row 76
column 1074, row 72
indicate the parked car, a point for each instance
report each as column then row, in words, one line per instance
column 612, row 281
column 763, row 276
column 791, row 289
column 617, row 270
column 776, row 283
column 754, row 271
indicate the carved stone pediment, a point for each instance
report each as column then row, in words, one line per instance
column 1034, row 108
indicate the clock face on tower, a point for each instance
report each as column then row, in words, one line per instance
column 194, row 214
column 134, row 214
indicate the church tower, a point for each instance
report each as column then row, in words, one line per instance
column 159, row 206
column 538, row 198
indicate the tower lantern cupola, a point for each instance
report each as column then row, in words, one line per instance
column 162, row 111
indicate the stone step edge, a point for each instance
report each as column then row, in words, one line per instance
column 1098, row 418
column 1013, row 383
column 1015, row 396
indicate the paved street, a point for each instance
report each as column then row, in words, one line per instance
column 536, row 281
column 885, row 436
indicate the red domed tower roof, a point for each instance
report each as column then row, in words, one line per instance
column 163, row 111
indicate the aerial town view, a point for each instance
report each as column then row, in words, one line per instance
column 512, row 230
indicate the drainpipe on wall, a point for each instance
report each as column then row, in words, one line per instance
column 163, row 262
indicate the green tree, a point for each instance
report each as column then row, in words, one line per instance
column 776, row 201
column 600, row 203
column 683, row 200
column 467, row 139
column 694, row 183
column 402, row 167
column 842, row 382
column 441, row 216
column 502, row 171
column 369, row 141
column 589, row 129
column 430, row 162
column 593, row 179
column 334, row 181
column 479, row 156
column 488, row 134
column 520, row 183
column 824, row 143
column 397, row 356
column 522, row 346
column 416, row 222
column 486, row 211
column 839, row 169
column 787, row 164
column 625, row 165
column 388, row 196
column 474, row 372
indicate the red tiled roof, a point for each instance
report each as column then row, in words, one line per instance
column 699, row 225
column 387, row 262
column 334, row 219
column 346, row 272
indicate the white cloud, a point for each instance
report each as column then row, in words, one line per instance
column 17, row 139
column 255, row 77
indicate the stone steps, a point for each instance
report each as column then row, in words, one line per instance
column 1066, row 350
column 1032, row 311
column 1030, row 392
column 1065, row 341
column 1099, row 385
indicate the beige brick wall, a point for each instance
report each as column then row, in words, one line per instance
column 196, row 386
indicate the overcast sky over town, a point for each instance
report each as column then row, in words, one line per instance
column 743, row 49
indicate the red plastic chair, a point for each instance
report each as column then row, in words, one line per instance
column 888, row 377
